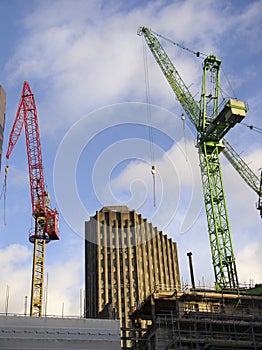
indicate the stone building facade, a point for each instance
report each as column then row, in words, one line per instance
column 126, row 258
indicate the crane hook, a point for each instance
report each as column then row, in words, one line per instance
column 153, row 172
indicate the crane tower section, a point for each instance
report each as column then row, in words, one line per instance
column 215, row 121
column 46, row 219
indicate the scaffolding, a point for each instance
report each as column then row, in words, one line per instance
column 215, row 332
column 198, row 320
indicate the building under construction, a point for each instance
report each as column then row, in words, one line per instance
column 198, row 319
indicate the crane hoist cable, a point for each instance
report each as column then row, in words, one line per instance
column 184, row 132
column 3, row 193
column 229, row 83
column 149, row 122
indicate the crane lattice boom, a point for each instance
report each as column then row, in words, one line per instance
column 173, row 77
column 27, row 116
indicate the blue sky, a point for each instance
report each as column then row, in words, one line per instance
column 84, row 63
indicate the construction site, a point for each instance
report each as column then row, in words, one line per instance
column 134, row 298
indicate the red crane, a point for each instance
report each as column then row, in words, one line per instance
column 46, row 219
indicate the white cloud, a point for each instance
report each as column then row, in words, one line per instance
column 64, row 282
column 249, row 262
column 88, row 55
column 178, row 187
column 11, row 255
column 15, row 268
column 17, row 177
column 248, row 24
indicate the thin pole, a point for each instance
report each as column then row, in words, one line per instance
column 25, row 305
column 3, row 193
column 81, row 305
column 6, row 300
column 46, row 294
column 191, row 270
column 184, row 131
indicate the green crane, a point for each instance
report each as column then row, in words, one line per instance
column 212, row 118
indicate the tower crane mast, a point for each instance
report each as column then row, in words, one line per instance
column 212, row 119
column 45, row 219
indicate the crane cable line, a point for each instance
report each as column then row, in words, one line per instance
column 252, row 127
column 196, row 53
column 3, row 192
column 184, row 132
column 148, row 104
column 229, row 83
column 149, row 122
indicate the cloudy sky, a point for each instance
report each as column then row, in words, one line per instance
column 85, row 65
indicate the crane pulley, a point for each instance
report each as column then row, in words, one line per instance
column 46, row 219
column 212, row 119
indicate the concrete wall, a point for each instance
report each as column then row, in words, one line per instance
column 21, row 332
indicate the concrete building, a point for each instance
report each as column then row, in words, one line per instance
column 126, row 258
column 22, row 332
column 2, row 119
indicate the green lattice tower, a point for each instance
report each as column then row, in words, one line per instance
column 214, row 197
